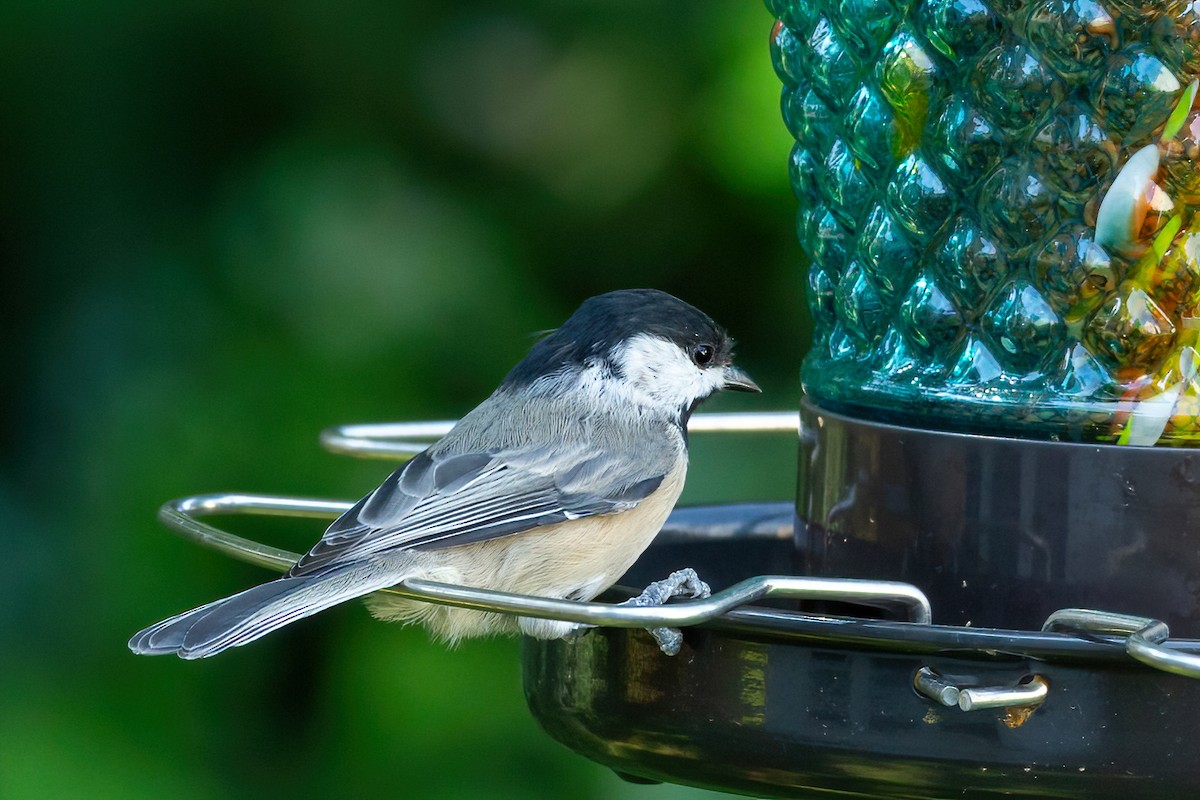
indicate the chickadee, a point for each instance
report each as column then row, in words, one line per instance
column 553, row 486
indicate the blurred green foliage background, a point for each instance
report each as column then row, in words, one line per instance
column 226, row 225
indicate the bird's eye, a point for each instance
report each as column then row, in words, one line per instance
column 702, row 354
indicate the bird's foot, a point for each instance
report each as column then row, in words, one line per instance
column 684, row 582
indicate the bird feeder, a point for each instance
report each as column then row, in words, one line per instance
column 989, row 582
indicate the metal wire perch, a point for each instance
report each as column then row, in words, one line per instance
column 406, row 439
column 391, row 440
column 182, row 516
column 1142, row 638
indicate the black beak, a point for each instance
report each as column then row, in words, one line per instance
column 739, row 381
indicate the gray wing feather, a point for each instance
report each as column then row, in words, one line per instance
column 241, row 618
column 445, row 497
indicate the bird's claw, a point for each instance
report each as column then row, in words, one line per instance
column 684, row 582
column 677, row 584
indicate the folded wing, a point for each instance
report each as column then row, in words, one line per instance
column 440, row 500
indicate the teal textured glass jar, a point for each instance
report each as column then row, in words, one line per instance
column 998, row 199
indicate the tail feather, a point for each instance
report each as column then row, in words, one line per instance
column 241, row 618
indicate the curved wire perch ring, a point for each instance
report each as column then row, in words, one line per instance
column 406, row 439
column 403, row 440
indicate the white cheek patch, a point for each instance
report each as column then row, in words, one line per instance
column 660, row 372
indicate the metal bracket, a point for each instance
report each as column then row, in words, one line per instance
column 1144, row 637
column 1027, row 694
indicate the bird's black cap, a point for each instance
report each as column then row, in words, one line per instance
column 604, row 321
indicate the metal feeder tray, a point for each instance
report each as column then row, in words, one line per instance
column 783, row 700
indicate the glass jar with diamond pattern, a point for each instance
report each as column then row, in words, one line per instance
column 998, row 201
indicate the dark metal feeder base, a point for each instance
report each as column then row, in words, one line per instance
column 773, row 703
column 773, row 719
column 1000, row 532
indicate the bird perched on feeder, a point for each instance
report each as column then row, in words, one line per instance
column 553, row 486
